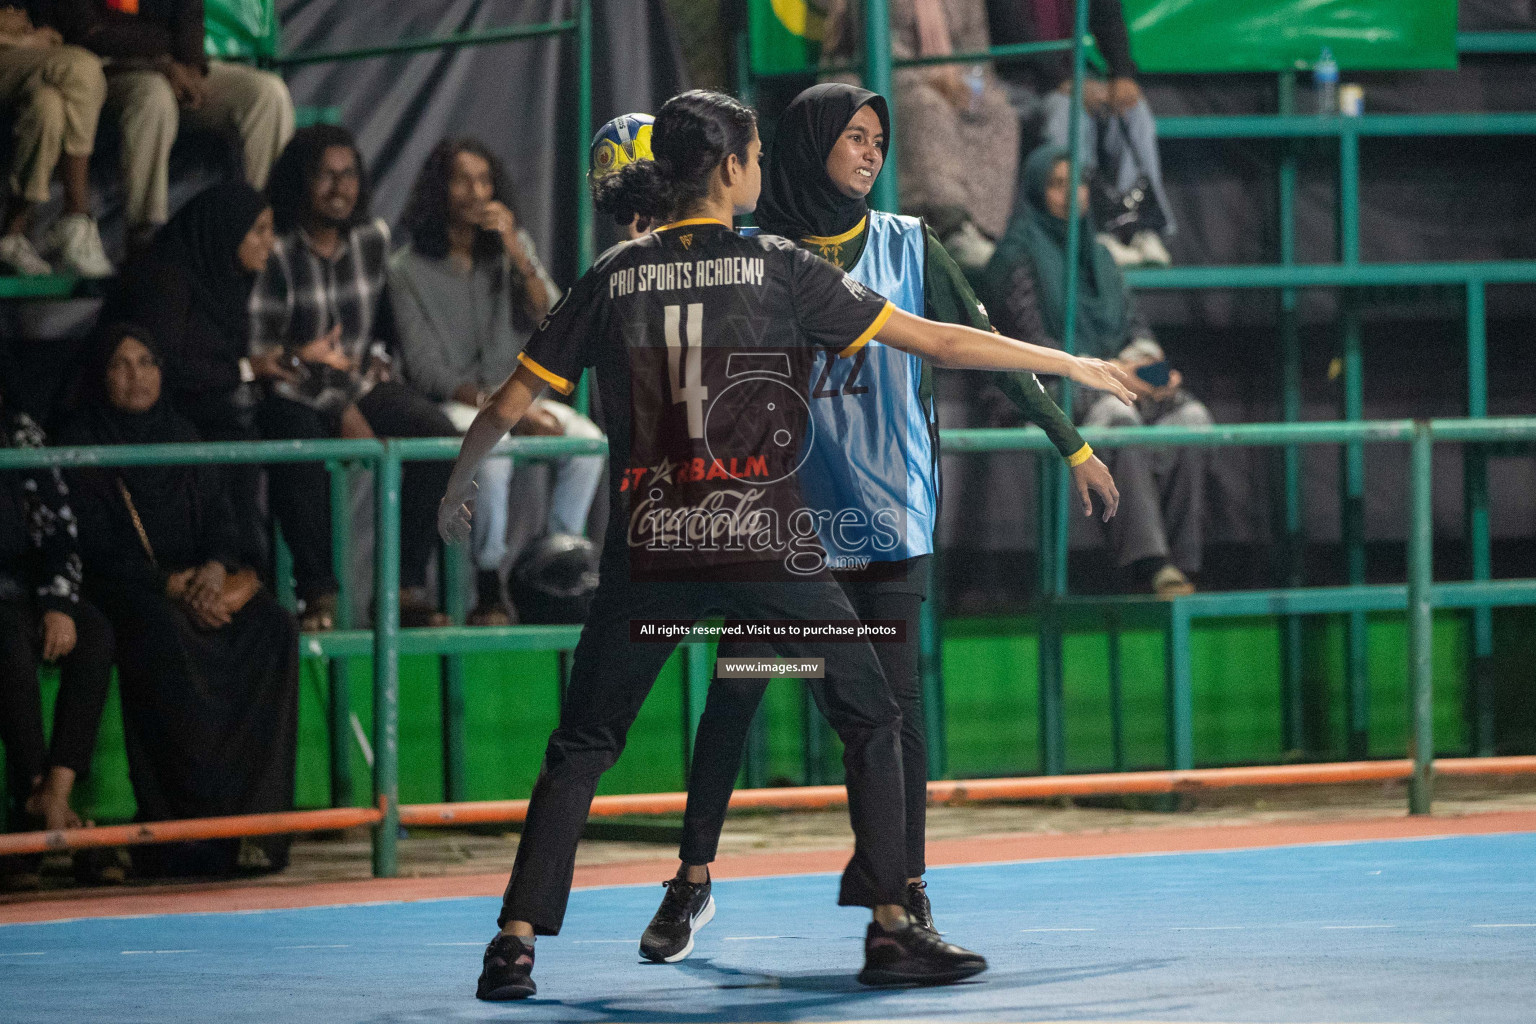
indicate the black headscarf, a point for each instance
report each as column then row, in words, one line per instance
column 204, row 240
column 100, row 422
column 798, row 199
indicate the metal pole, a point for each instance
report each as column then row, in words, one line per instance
column 340, row 668
column 1479, row 542
column 877, row 78
column 931, row 671
column 1292, row 708
column 579, row 150
column 1356, row 672
column 455, row 563
column 1421, row 743
column 1052, row 726
column 386, row 660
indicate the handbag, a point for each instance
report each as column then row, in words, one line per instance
column 239, row 586
column 1123, row 214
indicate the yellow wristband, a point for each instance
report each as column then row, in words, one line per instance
column 1080, row 456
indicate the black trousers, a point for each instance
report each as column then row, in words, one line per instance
column 609, row 681
column 301, row 491
column 728, row 711
column 84, row 675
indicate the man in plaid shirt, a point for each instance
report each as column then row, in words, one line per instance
column 321, row 303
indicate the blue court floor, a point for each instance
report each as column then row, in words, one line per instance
column 1437, row 931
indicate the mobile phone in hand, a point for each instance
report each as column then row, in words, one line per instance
column 1155, row 374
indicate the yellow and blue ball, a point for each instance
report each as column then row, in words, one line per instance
column 624, row 140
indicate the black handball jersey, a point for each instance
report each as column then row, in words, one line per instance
column 703, row 342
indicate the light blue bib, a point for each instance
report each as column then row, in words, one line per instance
column 872, row 475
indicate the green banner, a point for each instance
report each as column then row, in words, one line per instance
column 240, row 29
column 1280, row 35
column 1194, row 35
column 785, row 34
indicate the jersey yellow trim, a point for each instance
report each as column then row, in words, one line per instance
column 852, row 232
column 1080, row 456
column 549, row 377
column 691, row 221
column 870, row 331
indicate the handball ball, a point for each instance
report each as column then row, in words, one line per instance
column 624, row 140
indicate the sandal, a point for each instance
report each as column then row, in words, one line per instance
column 319, row 614
column 416, row 609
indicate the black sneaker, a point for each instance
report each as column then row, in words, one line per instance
column 918, row 907
column 912, row 955
column 508, row 970
column 685, row 909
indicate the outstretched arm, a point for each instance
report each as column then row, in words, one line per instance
column 966, row 348
column 499, row 415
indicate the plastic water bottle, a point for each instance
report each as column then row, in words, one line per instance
column 1325, row 82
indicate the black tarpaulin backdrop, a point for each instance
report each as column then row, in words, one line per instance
column 518, row 96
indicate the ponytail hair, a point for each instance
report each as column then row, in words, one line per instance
column 695, row 131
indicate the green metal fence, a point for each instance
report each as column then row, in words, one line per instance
column 386, row 641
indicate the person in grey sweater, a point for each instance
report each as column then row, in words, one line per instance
column 468, row 291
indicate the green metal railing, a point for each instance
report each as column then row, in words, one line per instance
column 1287, row 128
column 386, row 641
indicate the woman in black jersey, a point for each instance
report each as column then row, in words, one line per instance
column 707, row 339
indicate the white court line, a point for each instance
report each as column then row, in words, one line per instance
column 1058, row 929
column 1504, row 926
column 756, row 938
column 1211, row 928
column 140, row 952
column 336, row 945
column 1353, row 927
column 45, row 954
column 455, row 943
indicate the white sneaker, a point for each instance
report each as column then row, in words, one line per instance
column 969, row 246
column 76, row 244
column 1123, row 255
column 17, row 253
column 1151, row 247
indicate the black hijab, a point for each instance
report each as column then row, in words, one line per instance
column 100, row 422
column 203, row 239
column 798, row 199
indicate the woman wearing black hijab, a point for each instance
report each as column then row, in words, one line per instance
column 208, row 669
column 191, row 291
column 827, row 152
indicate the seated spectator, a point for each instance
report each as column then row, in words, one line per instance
column 468, row 292
column 208, row 661
column 191, row 290
column 961, row 177
column 321, row 302
column 53, row 94
column 158, row 77
column 43, row 619
column 1117, row 121
column 1157, row 536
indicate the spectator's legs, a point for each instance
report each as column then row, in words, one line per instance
column 147, row 113
column 1056, row 130
column 1137, row 531
column 1130, row 143
column 39, row 124
column 253, row 103
column 576, row 478
column 394, row 410
column 1181, row 476
column 488, row 526
column 21, row 702
column 84, row 674
column 301, row 494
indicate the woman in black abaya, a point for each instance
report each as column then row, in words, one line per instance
column 208, row 670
